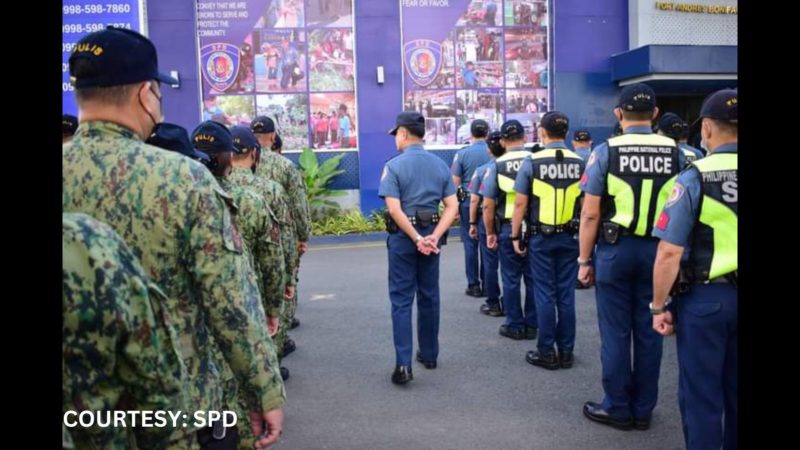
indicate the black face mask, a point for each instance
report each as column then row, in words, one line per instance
column 155, row 122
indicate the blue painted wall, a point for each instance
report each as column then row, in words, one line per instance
column 171, row 27
column 586, row 34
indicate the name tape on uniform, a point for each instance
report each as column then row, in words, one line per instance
column 645, row 160
column 559, row 171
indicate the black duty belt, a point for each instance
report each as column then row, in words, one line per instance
column 421, row 218
column 547, row 230
column 612, row 232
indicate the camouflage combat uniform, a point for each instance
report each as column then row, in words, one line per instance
column 174, row 216
column 277, row 200
column 118, row 350
column 278, row 168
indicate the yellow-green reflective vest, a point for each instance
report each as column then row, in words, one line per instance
column 556, row 186
column 640, row 177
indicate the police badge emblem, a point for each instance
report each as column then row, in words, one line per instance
column 423, row 60
column 220, row 64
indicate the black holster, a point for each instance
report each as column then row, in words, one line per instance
column 681, row 285
column 391, row 225
column 461, row 194
column 611, row 232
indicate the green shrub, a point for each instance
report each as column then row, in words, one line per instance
column 317, row 177
column 348, row 223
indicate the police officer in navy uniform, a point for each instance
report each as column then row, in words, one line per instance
column 582, row 144
column 683, row 142
column 698, row 229
column 69, row 124
column 464, row 164
column 477, row 230
column 672, row 126
column 625, row 184
column 412, row 184
column 498, row 208
column 547, row 188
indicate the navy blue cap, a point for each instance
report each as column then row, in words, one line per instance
column 69, row 124
column 479, row 128
column 212, row 137
column 493, row 141
column 555, row 122
column 411, row 120
column 277, row 143
column 512, row 129
column 671, row 125
column 244, row 140
column 637, row 97
column 117, row 56
column 174, row 138
column 262, row 125
column 582, row 136
column 722, row 105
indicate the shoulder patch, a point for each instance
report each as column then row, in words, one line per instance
column 677, row 192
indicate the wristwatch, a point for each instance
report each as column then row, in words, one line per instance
column 584, row 262
column 473, row 223
column 656, row 311
column 417, row 239
column 514, row 238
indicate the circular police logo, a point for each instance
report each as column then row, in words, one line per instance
column 423, row 60
column 676, row 194
column 219, row 67
column 220, row 64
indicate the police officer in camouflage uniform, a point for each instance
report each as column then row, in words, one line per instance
column 170, row 136
column 259, row 228
column 243, row 162
column 175, row 217
column 117, row 346
column 278, row 168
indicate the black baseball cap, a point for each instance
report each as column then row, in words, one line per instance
column 212, row 137
column 582, row 136
column 512, row 129
column 262, row 124
column 555, row 122
column 671, row 125
column 479, row 128
column 170, row 136
column 244, row 140
column 69, row 124
column 493, row 141
column 722, row 105
column 411, row 120
column 117, row 56
column 637, row 97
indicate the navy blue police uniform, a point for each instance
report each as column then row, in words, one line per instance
column 583, row 136
column 464, row 164
column 489, row 257
column 420, row 180
column 550, row 180
column 702, row 217
column 630, row 173
column 498, row 184
column 672, row 126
